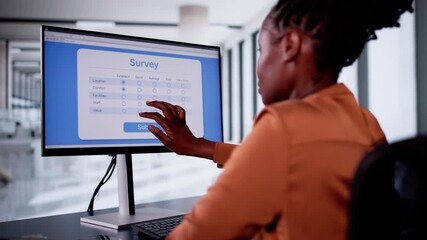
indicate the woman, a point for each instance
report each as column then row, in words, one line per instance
column 290, row 178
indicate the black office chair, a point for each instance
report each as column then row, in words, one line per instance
column 389, row 193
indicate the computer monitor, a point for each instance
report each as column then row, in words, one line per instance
column 94, row 85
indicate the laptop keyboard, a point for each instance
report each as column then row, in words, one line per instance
column 158, row 228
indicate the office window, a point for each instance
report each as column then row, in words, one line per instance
column 23, row 93
column 235, row 95
column 254, row 41
column 225, row 94
column 421, row 62
column 259, row 103
column 230, row 93
column 249, row 88
column 244, row 101
column 3, row 76
column 241, row 86
column 363, row 78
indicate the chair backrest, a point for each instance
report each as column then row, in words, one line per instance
column 389, row 193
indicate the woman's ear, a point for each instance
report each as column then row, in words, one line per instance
column 291, row 45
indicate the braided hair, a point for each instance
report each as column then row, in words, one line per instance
column 339, row 28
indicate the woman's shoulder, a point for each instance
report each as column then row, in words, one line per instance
column 329, row 99
column 292, row 108
column 288, row 112
column 321, row 108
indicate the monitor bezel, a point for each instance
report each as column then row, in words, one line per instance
column 93, row 150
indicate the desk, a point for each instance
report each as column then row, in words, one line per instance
column 68, row 226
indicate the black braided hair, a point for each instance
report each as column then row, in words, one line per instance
column 340, row 28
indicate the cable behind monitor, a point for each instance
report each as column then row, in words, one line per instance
column 104, row 179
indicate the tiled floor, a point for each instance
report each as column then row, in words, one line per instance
column 47, row 186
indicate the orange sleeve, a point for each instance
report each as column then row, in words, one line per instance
column 222, row 152
column 249, row 193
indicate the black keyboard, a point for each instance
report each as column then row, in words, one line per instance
column 158, row 228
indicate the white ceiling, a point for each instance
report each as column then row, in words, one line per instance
column 20, row 19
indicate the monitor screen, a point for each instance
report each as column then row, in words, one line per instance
column 95, row 84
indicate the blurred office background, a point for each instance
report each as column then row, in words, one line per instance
column 389, row 79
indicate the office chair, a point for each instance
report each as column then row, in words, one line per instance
column 389, row 193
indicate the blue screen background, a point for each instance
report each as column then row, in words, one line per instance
column 60, row 91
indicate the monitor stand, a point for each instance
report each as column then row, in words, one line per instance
column 127, row 214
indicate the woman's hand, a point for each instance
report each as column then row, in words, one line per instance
column 177, row 136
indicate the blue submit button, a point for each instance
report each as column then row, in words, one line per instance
column 131, row 127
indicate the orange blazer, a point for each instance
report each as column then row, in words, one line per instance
column 290, row 177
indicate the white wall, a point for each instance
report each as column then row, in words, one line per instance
column 392, row 79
